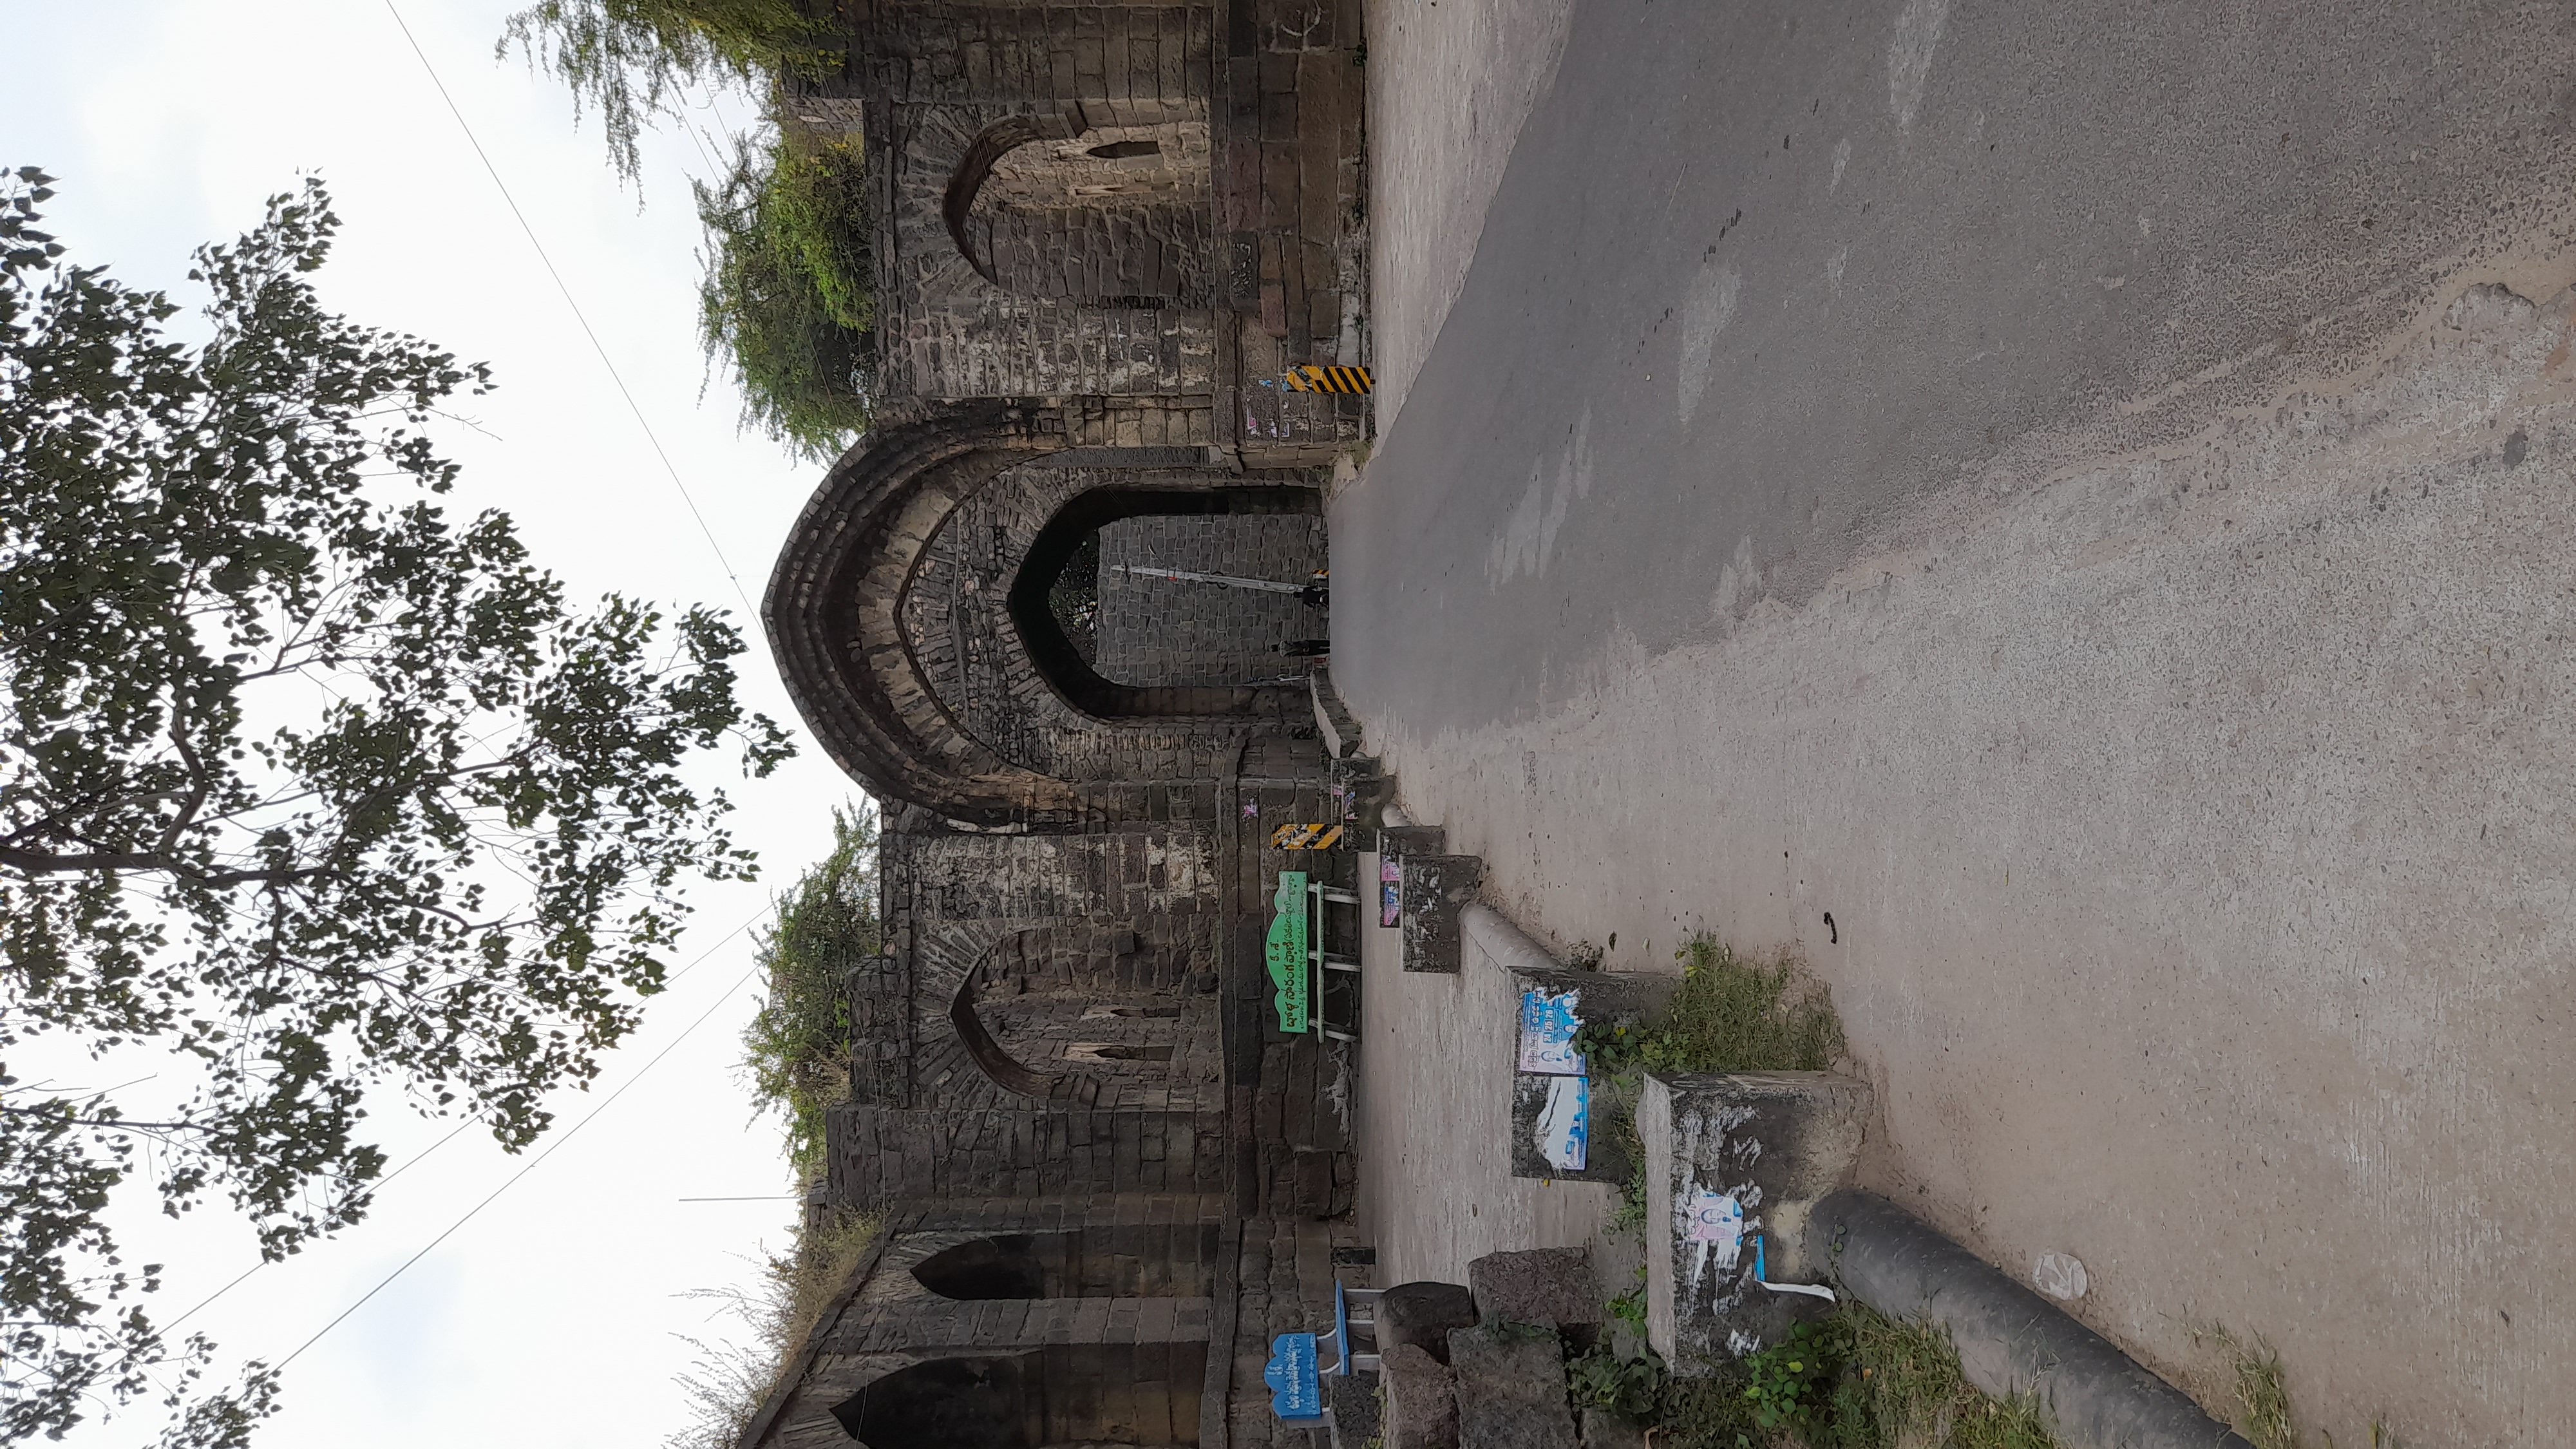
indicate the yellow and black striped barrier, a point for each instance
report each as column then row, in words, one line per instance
column 1305, row 837
column 1312, row 378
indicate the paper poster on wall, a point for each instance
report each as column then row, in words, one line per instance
column 1390, row 892
column 1718, row 1219
column 1564, row 1133
column 1548, row 1023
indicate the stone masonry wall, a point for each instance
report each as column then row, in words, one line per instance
column 1284, row 1284
column 957, row 623
column 1095, row 290
column 1163, row 1347
column 1291, row 178
column 1166, row 631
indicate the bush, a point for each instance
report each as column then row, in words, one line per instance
column 797, row 1048
column 788, row 297
column 1730, row 1014
column 1854, row 1380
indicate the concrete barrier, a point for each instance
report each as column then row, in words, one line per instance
column 2010, row 1340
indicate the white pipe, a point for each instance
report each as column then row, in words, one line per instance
column 1812, row 1290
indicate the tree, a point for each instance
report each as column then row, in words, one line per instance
column 797, row 1049
column 301, row 781
column 788, row 297
column 632, row 59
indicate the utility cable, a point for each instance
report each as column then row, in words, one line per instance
column 459, row 1130
column 534, row 1163
column 561, row 286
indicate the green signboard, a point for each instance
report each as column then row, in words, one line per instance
column 1287, row 951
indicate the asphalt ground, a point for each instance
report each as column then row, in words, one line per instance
column 2083, row 496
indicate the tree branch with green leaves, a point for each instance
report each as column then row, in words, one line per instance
column 631, row 60
column 301, row 780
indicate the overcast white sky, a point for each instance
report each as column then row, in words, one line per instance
column 551, row 1318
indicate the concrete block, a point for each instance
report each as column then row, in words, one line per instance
column 1587, row 998
column 1511, row 1388
column 1549, row 1287
column 1425, row 839
column 1421, row 1410
column 1434, row 890
column 1730, row 1155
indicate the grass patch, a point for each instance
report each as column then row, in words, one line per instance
column 1854, row 1380
column 732, row 1377
column 2262, row 1396
column 788, row 297
column 1730, row 1014
column 796, row 1050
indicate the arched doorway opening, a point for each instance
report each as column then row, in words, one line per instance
column 1076, row 1393
column 1133, row 1261
column 1224, row 678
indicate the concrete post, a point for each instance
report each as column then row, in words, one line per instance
column 1730, row 1155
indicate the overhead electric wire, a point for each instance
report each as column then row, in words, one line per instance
column 459, row 1129
column 561, row 286
column 533, row 1164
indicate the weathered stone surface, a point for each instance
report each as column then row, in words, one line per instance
column 1421, row 1409
column 1435, row 888
column 1161, row 631
column 1511, row 1387
column 1358, row 1413
column 1603, row 1429
column 1422, row 1314
column 1769, row 1143
column 1550, row 1287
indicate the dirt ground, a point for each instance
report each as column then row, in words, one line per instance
column 2191, row 801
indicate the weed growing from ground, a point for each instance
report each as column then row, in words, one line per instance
column 1730, row 1014
column 732, row 1377
column 2262, row 1398
column 1855, row 1380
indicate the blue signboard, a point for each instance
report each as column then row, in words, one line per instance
column 1297, row 1390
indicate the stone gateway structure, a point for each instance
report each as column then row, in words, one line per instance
column 1045, row 612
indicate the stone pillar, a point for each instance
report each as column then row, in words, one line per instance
column 1434, row 889
column 1730, row 1155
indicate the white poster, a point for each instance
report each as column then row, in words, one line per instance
column 1564, row 1125
column 1548, row 1023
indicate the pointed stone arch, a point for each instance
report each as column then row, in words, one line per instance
column 897, row 708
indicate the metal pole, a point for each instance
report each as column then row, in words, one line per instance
column 1231, row 581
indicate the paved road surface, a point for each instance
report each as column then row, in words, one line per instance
column 2084, row 496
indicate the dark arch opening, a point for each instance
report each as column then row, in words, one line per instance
column 996, row 1062
column 1132, row 1261
column 1075, row 1393
column 1054, row 654
column 989, row 146
column 1003, row 1267
column 946, row 1403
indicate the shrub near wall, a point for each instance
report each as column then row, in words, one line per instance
column 787, row 300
